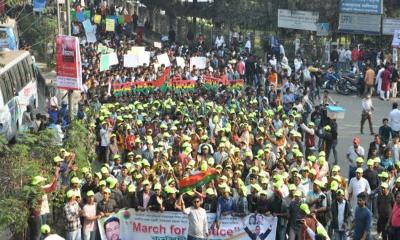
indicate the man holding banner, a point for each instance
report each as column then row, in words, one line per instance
column 198, row 226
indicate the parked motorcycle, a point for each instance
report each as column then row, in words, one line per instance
column 330, row 79
column 349, row 84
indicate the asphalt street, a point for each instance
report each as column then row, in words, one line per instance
column 349, row 127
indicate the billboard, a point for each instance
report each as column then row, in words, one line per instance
column 68, row 65
column 361, row 6
column 302, row 20
column 360, row 23
column 389, row 25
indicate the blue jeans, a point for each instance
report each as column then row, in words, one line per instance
column 75, row 235
column 340, row 235
column 43, row 218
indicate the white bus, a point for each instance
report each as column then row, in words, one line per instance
column 18, row 89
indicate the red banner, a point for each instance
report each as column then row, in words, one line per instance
column 153, row 84
column 68, row 68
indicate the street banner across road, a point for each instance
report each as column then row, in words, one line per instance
column 131, row 224
column 68, row 67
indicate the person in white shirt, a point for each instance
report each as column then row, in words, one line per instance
column 248, row 44
column 219, row 41
column 357, row 185
column 367, row 109
column 378, row 80
column 198, row 225
column 394, row 120
column 105, row 141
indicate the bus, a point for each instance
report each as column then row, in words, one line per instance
column 18, row 89
column 9, row 35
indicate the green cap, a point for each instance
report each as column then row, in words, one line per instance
column 90, row 193
column 305, row 208
column 45, row 229
column 71, row 193
column 75, row 180
column 57, row 159
column 37, row 179
column 131, row 188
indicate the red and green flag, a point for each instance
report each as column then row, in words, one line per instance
column 199, row 179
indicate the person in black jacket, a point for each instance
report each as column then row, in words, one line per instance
column 377, row 145
column 156, row 202
column 341, row 215
column 146, row 193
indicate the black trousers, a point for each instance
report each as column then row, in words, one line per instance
column 34, row 224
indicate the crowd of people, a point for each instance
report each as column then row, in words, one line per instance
column 270, row 142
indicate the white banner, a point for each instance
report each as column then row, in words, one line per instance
column 389, row 25
column 360, row 23
column 131, row 61
column 180, row 62
column 144, row 58
column 302, row 20
column 163, row 59
column 199, row 62
column 130, row 224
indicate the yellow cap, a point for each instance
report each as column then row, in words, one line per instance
column 45, row 229
column 90, row 193
column 305, row 208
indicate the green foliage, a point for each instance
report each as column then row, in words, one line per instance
column 38, row 30
column 32, row 155
column 78, row 140
column 13, row 213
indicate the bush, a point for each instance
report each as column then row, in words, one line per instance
column 32, row 155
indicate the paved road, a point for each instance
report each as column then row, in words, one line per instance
column 349, row 127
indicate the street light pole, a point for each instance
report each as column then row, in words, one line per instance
column 69, row 34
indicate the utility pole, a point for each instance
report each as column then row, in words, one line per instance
column 69, row 34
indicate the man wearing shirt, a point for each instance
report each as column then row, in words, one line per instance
column 357, row 185
column 105, row 141
column 362, row 219
column 341, row 214
column 353, row 153
column 394, row 119
column 226, row 204
column 198, row 225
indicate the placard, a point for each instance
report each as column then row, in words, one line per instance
column 104, row 62
column 110, row 25
column 136, row 50
column 97, row 19
column 131, row 61
column 157, row 45
column 113, row 58
column 180, row 62
column 199, row 62
column 163, row 59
